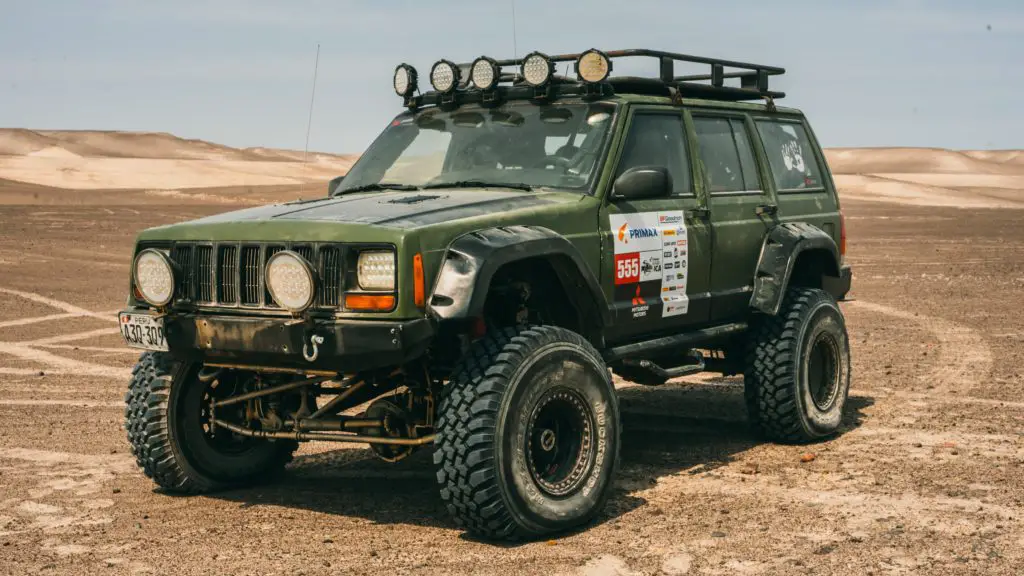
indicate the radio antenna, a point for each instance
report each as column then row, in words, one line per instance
column 309, row 120
column 515, row 48
column 312, row 97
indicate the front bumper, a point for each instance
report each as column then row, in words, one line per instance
column 347, row 346
column 839, row 286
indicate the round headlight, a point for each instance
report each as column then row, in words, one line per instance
column 444, row 76
column 485, row 73
column 593, row 66
column 154, row 277
column 290, row 280
column 537, row 69
column 405, row 80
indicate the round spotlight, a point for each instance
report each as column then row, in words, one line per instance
column 537, row 69
column 444, row 76
column 593, row 66
column 405, row 80
column 154, row 277
column 485, row 73
column 291, row 280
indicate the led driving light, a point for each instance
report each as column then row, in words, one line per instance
column 405, row 80
column 291, row 281
column 154, row 277
column 376, row 270
column 593, row 66
column 537, row 69
column 444, row 76
column 485, row 73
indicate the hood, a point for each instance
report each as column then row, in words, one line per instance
column 394, row 209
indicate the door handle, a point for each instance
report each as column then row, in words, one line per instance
column 763, row 209
column 699, row 212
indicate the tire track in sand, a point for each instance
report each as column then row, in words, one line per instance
column 963, row 358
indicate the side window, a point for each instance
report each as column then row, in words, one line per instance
column 726, row 154
column 791, row 157
column 657, row 140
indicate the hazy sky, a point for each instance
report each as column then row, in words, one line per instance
column 944, row 73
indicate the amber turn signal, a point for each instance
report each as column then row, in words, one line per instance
column 369, row 301
column 419, row 289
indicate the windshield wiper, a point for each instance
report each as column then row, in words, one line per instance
column 376, row 187
column 479, row 184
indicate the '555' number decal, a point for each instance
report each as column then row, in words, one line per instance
column 627, row 268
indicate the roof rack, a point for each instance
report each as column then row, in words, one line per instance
column 753, row 81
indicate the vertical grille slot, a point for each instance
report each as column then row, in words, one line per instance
column 183, row 256
column 270, row 302
column 204, row 273
column 330, row 276
column 227, row 275
column 250, row 276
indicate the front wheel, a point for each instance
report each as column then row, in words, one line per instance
column 528, row 434
column 797, row 374
column 167, row 420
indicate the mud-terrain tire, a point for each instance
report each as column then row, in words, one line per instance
column 527, row 435
column 797, row 373
column 163, row 421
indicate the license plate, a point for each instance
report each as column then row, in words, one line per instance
column 143, row 331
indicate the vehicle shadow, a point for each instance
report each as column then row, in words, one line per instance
column 675, row 428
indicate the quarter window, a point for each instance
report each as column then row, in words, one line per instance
column 790, row 155
column 657, row 140
column 726, row 155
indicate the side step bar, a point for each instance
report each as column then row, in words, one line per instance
column 668, row 373
column 676, row 341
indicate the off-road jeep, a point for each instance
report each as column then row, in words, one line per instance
column 510, row 240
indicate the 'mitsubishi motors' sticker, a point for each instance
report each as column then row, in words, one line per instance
column 651, row 261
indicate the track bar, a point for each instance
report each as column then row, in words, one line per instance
column 325, row 436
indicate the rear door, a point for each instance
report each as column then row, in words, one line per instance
column 731, row 179
column 656, row 258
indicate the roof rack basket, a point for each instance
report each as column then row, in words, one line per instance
column 753, row 81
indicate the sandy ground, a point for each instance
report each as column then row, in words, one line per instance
column 926, row 478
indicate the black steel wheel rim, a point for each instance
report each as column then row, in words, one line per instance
column 560, row 442
column 823, row 371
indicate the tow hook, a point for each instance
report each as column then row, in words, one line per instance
column 315, row 340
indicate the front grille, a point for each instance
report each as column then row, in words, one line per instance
column 230, row 274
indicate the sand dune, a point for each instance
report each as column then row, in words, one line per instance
column 930, row 176
column 91, row 160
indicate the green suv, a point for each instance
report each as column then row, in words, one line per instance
column 511, row 239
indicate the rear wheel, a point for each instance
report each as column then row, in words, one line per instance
column 528, row 434
column 167, row 420
column 797, row 375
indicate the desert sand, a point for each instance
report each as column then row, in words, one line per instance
column 95, row 160
column 927, row 476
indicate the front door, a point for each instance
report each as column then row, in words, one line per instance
column 735, row 192
column 656, row 258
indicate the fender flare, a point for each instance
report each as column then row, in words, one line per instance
column 779, row 254
column 472, row 259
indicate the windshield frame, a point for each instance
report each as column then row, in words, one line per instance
column 596, row 174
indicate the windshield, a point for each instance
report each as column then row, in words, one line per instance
column 521, row 145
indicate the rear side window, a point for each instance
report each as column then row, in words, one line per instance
column 726, row 154
column 657, row 140
column 792, row 159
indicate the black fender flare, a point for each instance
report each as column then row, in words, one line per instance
column 779, row 254
column 472, row 259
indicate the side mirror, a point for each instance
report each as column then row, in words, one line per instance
column 333, row 185
column 642, row 182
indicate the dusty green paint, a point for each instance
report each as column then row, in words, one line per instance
column 723, row 257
